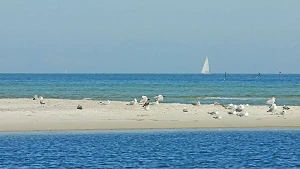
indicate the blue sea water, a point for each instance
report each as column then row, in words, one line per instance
column 177, row 88
column 152, row 149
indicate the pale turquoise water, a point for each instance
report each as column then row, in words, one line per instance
column 152, row 149
column 179, row 88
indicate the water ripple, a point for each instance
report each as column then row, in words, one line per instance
column 159, row 149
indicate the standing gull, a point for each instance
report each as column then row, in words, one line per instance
column 213, row 113
column 232, row 112
column 35, row 97
column 240, row 108
column 273, row 108
column 133, row 102
column 185, row 110
column 242, row 114
column 217, row 117
column 196, row 103
column 105, row 103
column 285, row 107
column 159, row 98
column 146, row 105
column 283, row 112
column 144, row 99
column 42, row 100
column 231, row 107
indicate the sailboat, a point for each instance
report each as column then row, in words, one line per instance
column 205, row 69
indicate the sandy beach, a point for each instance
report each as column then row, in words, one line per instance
column 61, row 115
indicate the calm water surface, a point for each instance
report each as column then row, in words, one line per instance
column 179, row 88
column 152, row 149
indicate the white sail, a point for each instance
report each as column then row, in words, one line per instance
column 205, row 69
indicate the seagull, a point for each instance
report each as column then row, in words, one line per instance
column 217, row 117
column 283, row 112
column 35, row 97
column 240, row 108
column 233, row 112
column 285, row 107
column 159, row 98
column 146, row 103
column 144, row 99
column 213, row 113
column 271, row 101
column 42, row 100
column 105, row 103
column 185, row 109
column 79, row 107
column 246, row 114
column 196, row 103
column 133, row 102
column 217, row 103
column 273, row 108
column 231, row 106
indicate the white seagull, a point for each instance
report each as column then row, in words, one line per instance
column 185, row 110
column 133, row 102
column 42, row 100
column 242, row 114
column 232, row 112
column 35, row 97
column 105, row 103
column 196, row 103
column 230, row 106
column 144, row 99
column 273, row 108
column 146, row 105
column 240, row 108
column 159, row 98
column 213, row 113
column 285, row 107
column 217, row 117
column 283, row 112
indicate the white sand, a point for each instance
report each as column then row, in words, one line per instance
column 57, row 114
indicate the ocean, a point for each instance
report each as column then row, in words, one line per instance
column 223, row 148
column 177, row 88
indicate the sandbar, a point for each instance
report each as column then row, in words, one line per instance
column 25, row 114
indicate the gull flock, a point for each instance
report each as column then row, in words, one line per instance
column 236, row 110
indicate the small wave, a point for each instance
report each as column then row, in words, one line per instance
column 230, row 98
column 87, row 99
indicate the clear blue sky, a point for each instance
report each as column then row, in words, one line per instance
column 149, row 36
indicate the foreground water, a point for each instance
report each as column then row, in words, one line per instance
column 178, row 88
column 152, row 149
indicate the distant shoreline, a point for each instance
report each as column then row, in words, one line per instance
column 222, row 73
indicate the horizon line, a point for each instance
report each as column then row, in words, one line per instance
column 138, row 73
